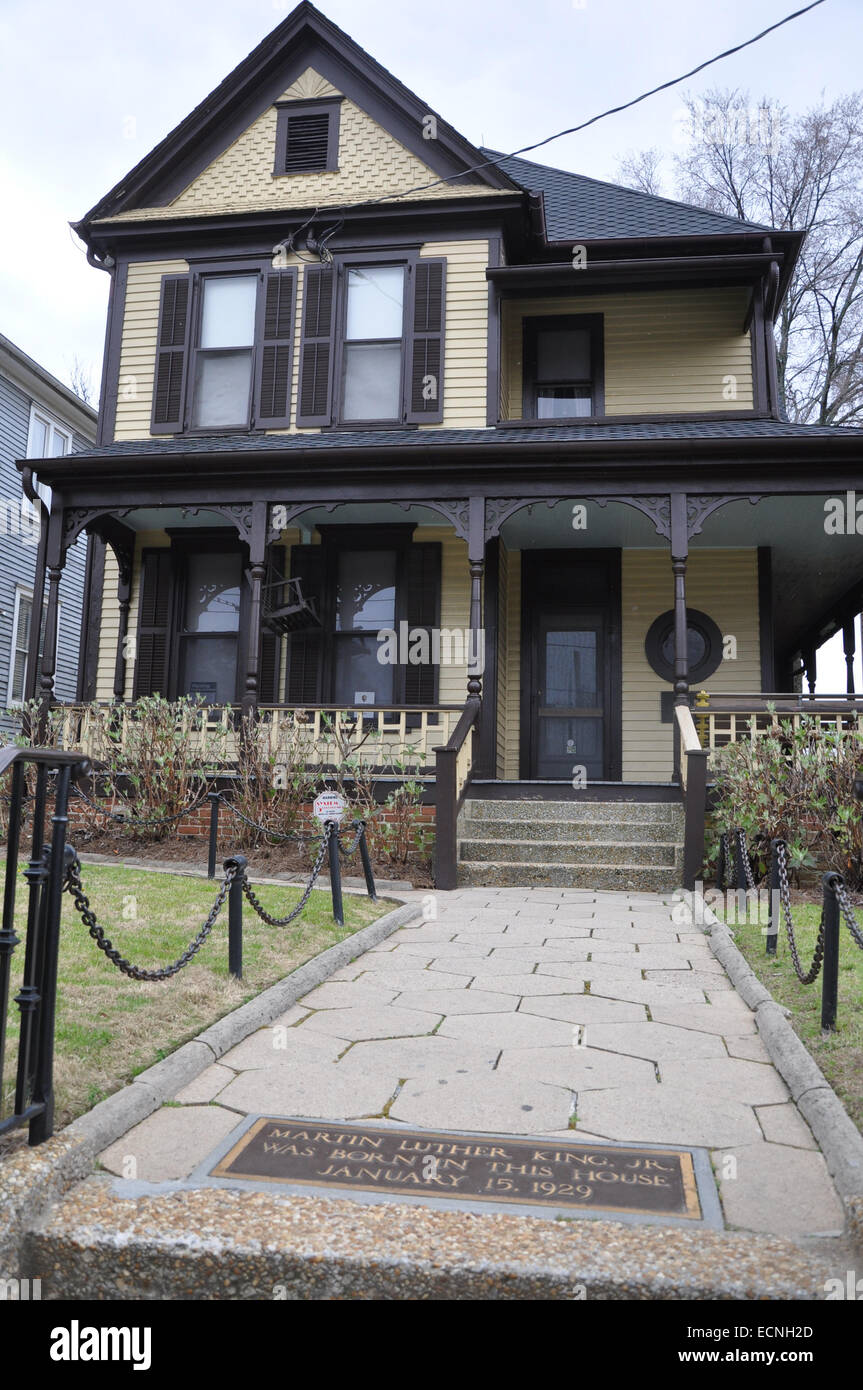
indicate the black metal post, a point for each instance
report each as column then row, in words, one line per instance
column 42, row 1125
column 8, row 938
column 335, row 873
column 720, row 866
column 27, row 997
column 213, row 798
column 775, row 909
column 830, row 980
column 367, row 866
column 235, row 915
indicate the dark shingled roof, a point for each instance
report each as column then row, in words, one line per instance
column 583, row 209
column 607, row 431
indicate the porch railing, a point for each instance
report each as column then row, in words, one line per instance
column 318, row 735
column 693, row 783
column 453, row 771
column 724, row 718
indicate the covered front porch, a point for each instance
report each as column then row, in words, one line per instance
column 537, row 642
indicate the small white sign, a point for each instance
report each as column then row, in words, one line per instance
column 364, row 697
column 329, row 806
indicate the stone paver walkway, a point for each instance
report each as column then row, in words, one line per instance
column 526, row 1011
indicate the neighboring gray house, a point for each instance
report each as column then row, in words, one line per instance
column 39, row 418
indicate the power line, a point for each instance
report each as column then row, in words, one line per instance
column 572, row 130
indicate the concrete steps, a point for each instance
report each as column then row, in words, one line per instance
column 601, row 845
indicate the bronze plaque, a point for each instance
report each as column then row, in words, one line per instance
column 473, row 1167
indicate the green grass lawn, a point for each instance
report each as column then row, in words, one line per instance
column 110, row 1027
column 839, row 1054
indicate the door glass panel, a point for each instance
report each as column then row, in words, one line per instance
column 366, row 594
column 228, row 315
column 571, row 669
column 572, row 742
column 212, row 593
column 375, row 303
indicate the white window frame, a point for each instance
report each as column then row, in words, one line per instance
column 22, row 591
column 53, row 427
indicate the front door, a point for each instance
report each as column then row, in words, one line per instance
column 572, row 706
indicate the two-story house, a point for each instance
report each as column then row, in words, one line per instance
column 363, row 378
column 39, row 417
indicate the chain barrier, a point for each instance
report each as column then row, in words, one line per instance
column 248, row 890
column 809, row 976
column 847, row 910
column 744, row 859
column 134, row 820
column 346, row 853
column 255, row 825
column 73, row 886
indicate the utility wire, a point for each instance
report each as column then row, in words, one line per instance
column 572, row 130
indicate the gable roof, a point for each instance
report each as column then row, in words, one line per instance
column 583, row 209
column 256, row 82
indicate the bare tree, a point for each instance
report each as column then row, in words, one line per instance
column 794, row 172
column 81, row 381
column 641, row 169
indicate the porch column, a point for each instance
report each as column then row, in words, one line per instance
column 55, row 560
column 679, row 557
column 257, row 539
column 849, row 644
column 476, row 562
column 124, row 594
column 810, row 666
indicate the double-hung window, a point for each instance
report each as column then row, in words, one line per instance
column 21, row 628
column 47, row 440
column 372, row 342
column 224, row 356
column 563, row 368
column 373, row 348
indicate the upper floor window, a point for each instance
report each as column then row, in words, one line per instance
column 224, row 354
column 372, row 354
column 307, row 137
column 47, row 440
column 563, row 367
column 372, row 342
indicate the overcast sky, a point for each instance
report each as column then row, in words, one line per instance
column 88, row 87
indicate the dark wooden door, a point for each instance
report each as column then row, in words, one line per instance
column 571, row 665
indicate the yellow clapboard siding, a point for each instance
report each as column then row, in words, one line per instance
column 665, row 351
column 723, row 584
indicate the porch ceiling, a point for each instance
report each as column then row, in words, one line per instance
column 812, row 570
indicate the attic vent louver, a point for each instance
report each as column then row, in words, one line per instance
column 307, row 143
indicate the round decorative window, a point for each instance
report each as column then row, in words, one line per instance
column 704, row 645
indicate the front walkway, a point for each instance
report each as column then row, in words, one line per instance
column 602, row 1016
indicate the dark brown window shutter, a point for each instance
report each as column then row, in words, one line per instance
column 270, row 667
column 314, row 406
column 275, row 353
column 304, row 654
column 423, row 606
column 171, row 354
column 154, row 623
column 425, row 347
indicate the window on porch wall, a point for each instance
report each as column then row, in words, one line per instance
column 362, row 591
